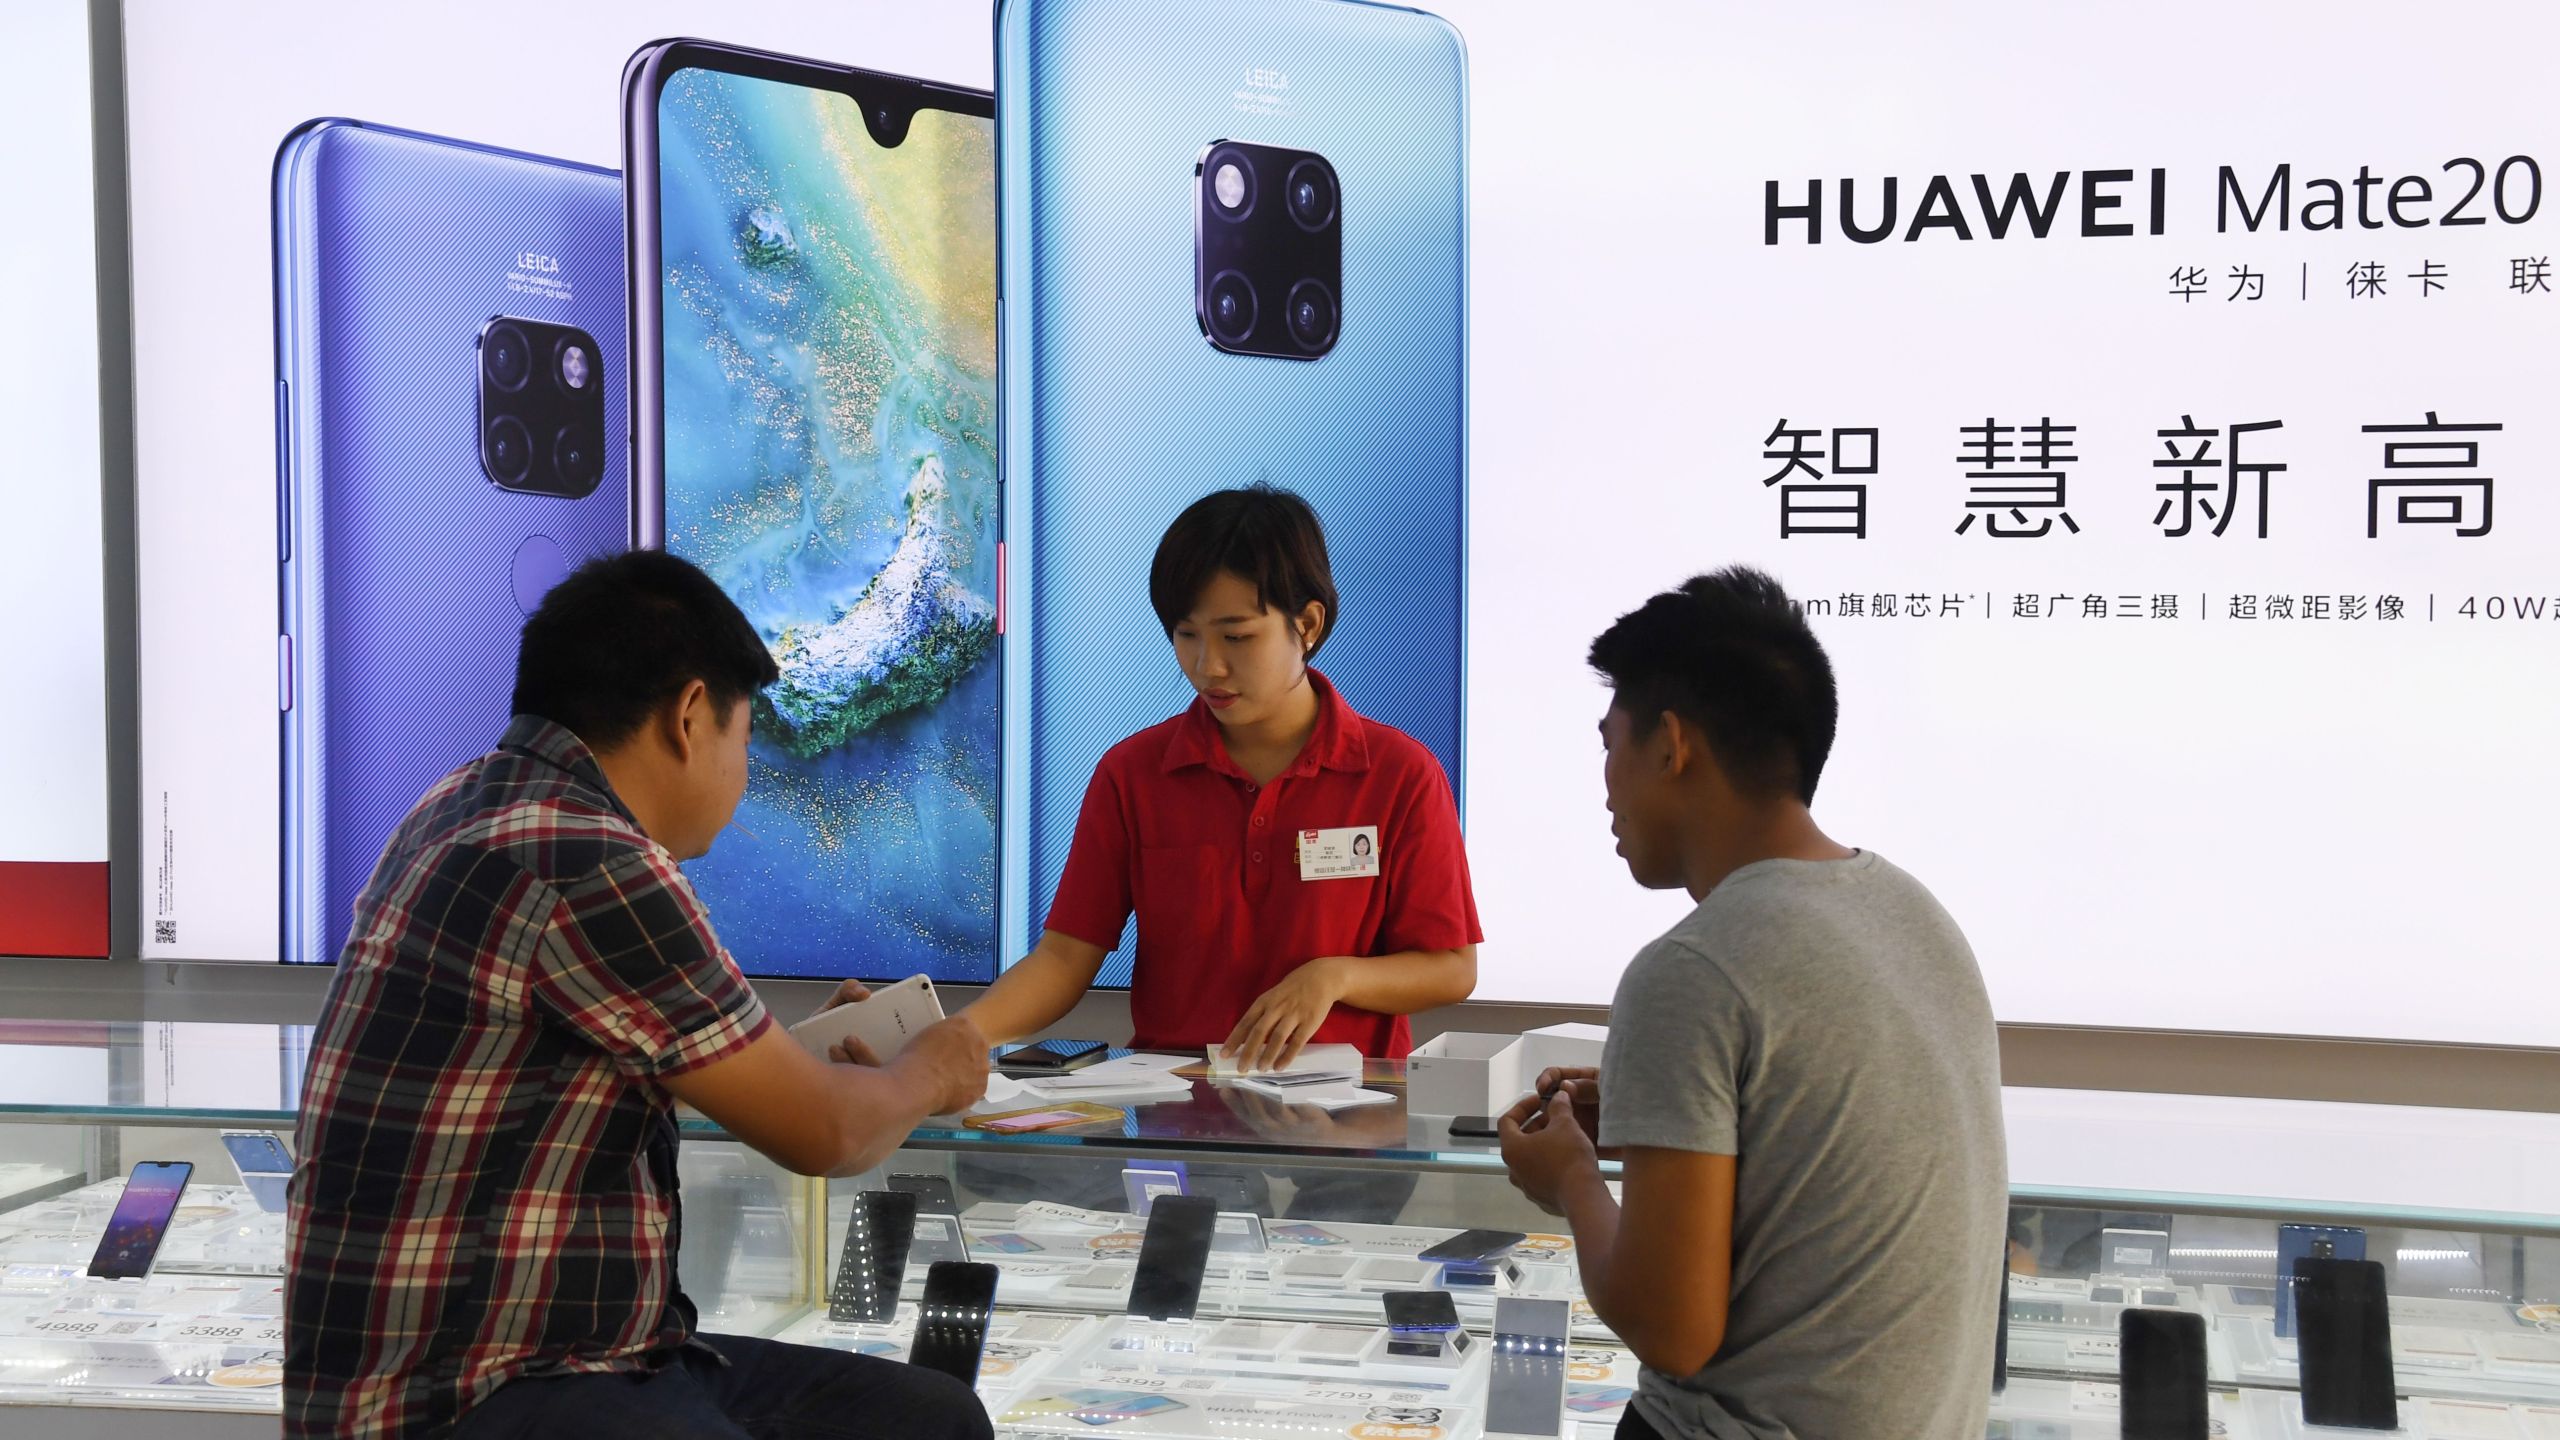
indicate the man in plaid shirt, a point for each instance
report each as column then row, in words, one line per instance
column 484, row 1223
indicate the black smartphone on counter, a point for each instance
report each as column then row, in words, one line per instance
column 951, row 1331
column 1174, row 1257
column 1050, row 1056
column 2160, row 1375
column 1471, row 1246
column 874, row 1263
column 2342, row 1326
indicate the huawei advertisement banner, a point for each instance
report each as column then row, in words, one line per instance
column 53, row 801
column 2146, row 408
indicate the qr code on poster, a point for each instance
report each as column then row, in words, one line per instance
column 164, row 932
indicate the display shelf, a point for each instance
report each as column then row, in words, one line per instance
column 1287, row 1332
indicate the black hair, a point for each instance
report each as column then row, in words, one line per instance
column 1265, row 535
column 626, row 633
column 1731, row 653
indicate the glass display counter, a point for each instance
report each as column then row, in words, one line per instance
column 1320, row 1214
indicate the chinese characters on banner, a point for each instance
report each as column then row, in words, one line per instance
column 2017, row 475
column 2364, row 280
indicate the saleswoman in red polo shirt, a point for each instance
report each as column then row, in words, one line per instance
column 1296, row 871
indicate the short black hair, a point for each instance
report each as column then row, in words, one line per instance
column 626, row 633
column 1267, row 536
column 1731, row 653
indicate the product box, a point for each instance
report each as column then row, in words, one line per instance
column 1555, row 1047
column 1463, row 1074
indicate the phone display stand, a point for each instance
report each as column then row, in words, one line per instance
column 1481, row 1277
column 1143, row 1183
column 1428, row 1347
column 1138, row 1335
column 2139, row 1254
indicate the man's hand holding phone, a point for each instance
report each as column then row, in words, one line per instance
column 850, row 1050
column 947, row 1060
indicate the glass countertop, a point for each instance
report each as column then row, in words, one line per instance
column 187, row 1073
column 2312, row 1161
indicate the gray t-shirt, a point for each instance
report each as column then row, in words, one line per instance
column 1824, row 1022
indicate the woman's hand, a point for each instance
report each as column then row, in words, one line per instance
column 1280, row 1024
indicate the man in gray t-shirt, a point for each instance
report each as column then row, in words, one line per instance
column 1802, row 1076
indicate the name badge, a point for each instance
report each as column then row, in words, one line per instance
column 1349, row 853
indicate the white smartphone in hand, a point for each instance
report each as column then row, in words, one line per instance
column 885, row 1022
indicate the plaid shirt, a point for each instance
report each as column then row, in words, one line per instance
column 487, row 1186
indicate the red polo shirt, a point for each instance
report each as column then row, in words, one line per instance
column 1208, row 861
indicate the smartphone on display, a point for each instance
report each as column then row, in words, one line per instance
column 813, row 311
column 1473, row 1245
column 1419, row 1321
column 140, row 1220
column 264, row 1166
column 2000, row 1340
column 932, row 1192
column 1049, row 1056
column 1475, row 1127
column 874, row 1262
column 951, row 1331
column 1174, row 1257
column 1420, row 1310
column 1525, row 1393
column 1210, row 283
column 449, row 443
column 2160, row 1375
column 2301, row 1242
column 2343, row 1313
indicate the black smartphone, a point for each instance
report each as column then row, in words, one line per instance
column 141, row 1219
column 1473, row 1245
column 1051, row 1055
column 932, row 1192
column 1174, row 1257
column 1476, row 1127
column 2342, row 1325
column 1419, row 1323
column 874, row 1262
column 952, row 1330
column 2000, row 1345
column 1420, row 1310
column 1525, row 1393
column 2160, row 1374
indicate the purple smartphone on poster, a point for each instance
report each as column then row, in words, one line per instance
column 450, row 422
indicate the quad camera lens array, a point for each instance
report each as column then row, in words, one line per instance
column 1270, row 250
column 542, row 419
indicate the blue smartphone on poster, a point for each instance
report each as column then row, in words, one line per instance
column 449, row 422
column 1234, row 250
column 813, row 331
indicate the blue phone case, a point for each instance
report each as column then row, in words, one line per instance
column 1118, row 411
column 407, row 570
